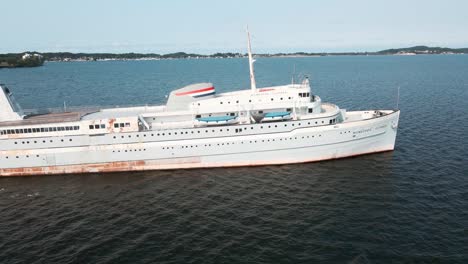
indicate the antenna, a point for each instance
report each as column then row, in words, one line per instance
column 253, row 86
column 398, row 97
column 294, row 73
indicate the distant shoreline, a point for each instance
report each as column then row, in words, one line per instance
column 12, row 60
column 255, row 55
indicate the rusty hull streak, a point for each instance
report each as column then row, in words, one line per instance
column 141, row 165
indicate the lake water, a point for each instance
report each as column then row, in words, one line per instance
column 409, row 205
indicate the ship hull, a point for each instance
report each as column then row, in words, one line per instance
column 299, row 145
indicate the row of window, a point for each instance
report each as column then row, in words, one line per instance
column 242, row 142
column 304, row 94
column 25, row 156
column 98, row 126
column 38, row 130
column 117, row 125
column 43, row 141
column 129, row 150
column 250, row 100
column 102, row 126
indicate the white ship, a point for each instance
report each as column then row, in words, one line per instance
column 197, row 128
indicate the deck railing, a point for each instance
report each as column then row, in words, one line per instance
column 80, row 109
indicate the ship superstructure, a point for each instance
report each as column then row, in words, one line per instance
column 197, row 128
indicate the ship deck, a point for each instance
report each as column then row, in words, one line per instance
column 45, row 119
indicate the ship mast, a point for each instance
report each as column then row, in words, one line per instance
column 253, row 86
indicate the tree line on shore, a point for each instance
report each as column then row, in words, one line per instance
column 37, row 59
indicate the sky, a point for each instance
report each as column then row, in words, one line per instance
column 209, row 26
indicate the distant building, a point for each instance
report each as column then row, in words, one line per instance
column 28, row 56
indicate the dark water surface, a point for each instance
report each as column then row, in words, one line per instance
column 409, row 205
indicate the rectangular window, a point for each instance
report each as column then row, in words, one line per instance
column 46, row 129
column 91, row 127
column 103, row 126
column 127, row 124
column 116, row 125
column 311, row 110
column 96, row 126
column 54, row 129
column 17, row 131
column 76, row 128
column 67, row 128
column 121, row 124
column 197, row 116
